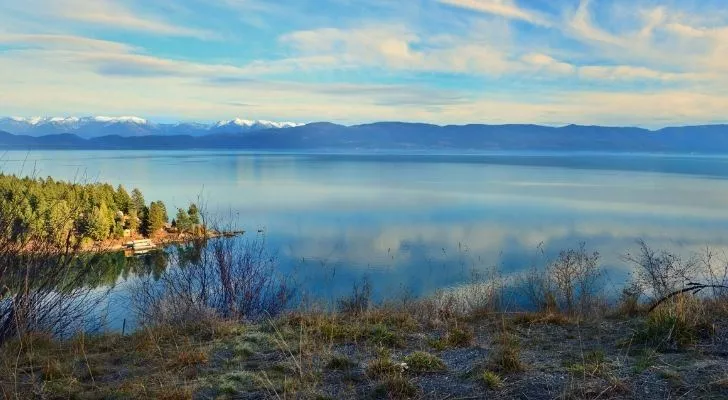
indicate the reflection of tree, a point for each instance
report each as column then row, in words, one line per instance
column 42, row 271
column 150, row 264
column 230, row 278
column 190, row 253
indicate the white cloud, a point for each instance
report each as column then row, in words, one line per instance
column 688, row 31
column 660, row 42
column 503, row 8
column 67, row 42
column 107, row 14
column 545, row 62
column 626, row 72
column 582, row 26
column 713, row 40
column 400, row 49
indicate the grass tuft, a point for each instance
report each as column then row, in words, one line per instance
column 458, row 337
column 381, row 335
column 340, row 362
column 546, row 318
column 678, row 323
column 244, row 350
column 507, row 356
column 188, row 358
column 492, row 380
column 420, row 361
column 396, row 387
column 383, row 367
column 645, row 360
column 593, row 363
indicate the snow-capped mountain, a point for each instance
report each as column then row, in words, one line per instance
column 90, row 127
column 244, row 125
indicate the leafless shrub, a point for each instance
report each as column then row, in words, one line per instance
column 570, row 283
column 630, row 299
column 537, row 287
column 359, row 300
column 715, row 272
column 483, row 294
column 227, row 278
column 661, row 272
column 576, row 274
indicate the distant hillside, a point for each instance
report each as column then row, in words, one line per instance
column 410, row 136
column 92, row 127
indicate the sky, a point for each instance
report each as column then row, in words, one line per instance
column 649, row 63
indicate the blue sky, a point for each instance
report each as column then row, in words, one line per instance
column 649, row 63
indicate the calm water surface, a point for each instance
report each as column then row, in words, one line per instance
column 417, row 223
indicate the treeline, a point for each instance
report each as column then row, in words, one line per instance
column 96, row 211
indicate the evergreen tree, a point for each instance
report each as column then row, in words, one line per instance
column 59, row 221
column 194, row 214
column 53, row 208
column 99, row 223
column 122, row 199
column 156, row 218
column 133, row 223
column 165, row 216
column 183, row 220
column 145, row 227
column 137, row 200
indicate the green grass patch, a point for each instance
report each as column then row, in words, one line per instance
column 459, row 337
column 645, row 360
column 340, row 362
column 420, row 361
column 383, row 367
column 592, row 363
column 395, row 387
column 244, row 350
column 382, row 335
column 492, row 380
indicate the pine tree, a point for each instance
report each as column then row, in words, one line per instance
column 194, row 214
column 99, row 223
column 133, row 223
column 183, row 220
column 156, row 218
column 137, row 200
column 122, row 199
column 165, row 216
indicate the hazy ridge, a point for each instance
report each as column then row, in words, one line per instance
column 405, row 136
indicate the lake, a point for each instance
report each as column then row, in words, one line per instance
column 420, row 222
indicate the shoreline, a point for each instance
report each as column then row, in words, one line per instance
column 157, row 242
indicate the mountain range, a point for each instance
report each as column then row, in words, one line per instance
column 91, row 127
column 258, row 135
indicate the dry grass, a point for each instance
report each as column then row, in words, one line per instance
column 679, row 322
column 507, row 356
column 149, row 363
column 550, row 318
column 300, row 355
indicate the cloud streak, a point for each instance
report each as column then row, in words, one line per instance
column 108, row 14
column 502, row 8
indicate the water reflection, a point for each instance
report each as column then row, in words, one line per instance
column 417, row 223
